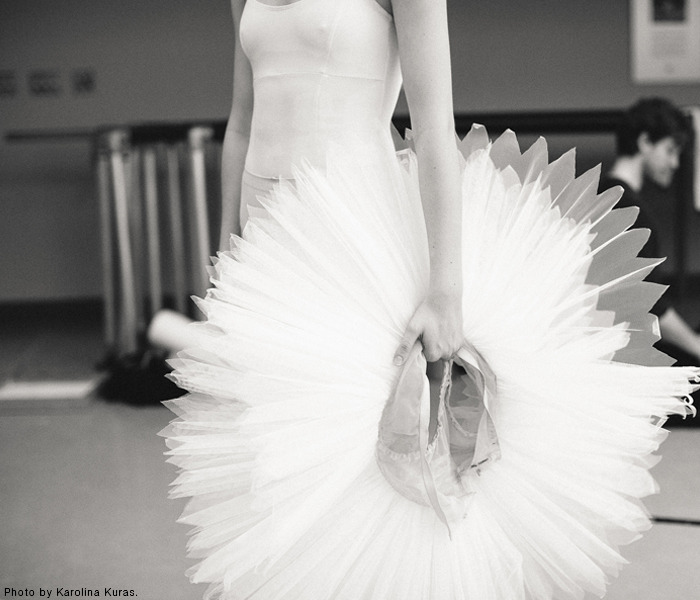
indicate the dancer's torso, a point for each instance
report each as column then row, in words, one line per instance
column 324, row 71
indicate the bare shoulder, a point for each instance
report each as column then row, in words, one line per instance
column 419, row 21
column 414, row 4
column 416, row 7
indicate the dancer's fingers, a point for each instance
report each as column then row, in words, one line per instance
column 407, row 342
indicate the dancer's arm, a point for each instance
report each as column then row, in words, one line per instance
column 237, row 136
column 421, row 27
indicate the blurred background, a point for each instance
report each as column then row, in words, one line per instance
column 86, row 83
column 75, row 66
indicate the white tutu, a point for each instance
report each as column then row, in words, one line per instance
column 277, row 440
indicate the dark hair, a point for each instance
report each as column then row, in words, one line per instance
column 657, row 117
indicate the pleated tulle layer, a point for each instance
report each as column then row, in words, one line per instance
column 277, row 439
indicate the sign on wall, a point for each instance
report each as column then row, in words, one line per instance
column 665, row 38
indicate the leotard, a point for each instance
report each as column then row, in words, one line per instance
column 323, row 73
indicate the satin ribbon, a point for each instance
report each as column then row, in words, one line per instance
column 423, row 430
column 466, row 356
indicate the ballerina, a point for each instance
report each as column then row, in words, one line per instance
column 318, row 463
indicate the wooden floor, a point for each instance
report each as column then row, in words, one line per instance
column 83, row 497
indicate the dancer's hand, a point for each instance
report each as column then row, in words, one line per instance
column 438, row 324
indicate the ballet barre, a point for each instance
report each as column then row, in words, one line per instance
column 158, row 189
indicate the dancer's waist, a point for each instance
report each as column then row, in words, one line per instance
column 300, row 117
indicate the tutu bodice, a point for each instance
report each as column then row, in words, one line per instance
column 324, row 71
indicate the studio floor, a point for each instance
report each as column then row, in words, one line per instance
column 83, row 499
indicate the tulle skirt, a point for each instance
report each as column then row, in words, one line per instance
column 304, row 449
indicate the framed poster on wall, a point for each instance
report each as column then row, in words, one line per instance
column 665, row 38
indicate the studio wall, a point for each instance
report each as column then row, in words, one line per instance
column 155, row 60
